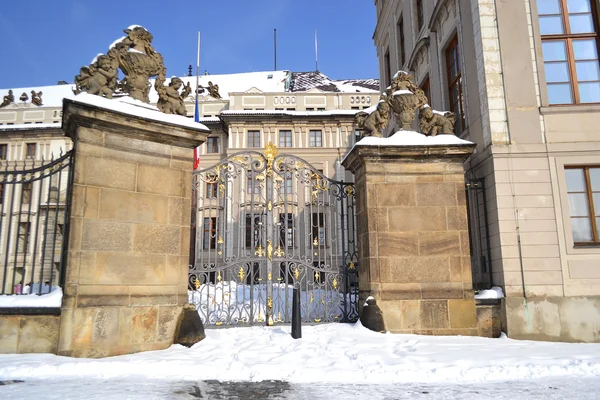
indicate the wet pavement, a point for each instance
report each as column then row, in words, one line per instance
column 88, row 389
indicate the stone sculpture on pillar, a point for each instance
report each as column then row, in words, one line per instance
column 403, row 98
column 371, row 123
column 170, row 101
column 434, row 122
column 136, row 58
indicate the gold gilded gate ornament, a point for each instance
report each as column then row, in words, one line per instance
column 270, row 153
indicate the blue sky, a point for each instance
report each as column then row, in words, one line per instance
column 44, row 41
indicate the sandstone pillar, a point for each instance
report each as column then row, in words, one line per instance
column 126, row 276
column 413, row 237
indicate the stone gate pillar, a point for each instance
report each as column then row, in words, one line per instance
column 412, row 235
column 127, row 267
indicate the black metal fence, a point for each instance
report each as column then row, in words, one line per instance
column 34, row 215
column 481, row 252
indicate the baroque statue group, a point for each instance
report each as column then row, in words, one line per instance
column 36, row 98
column 404, row 98
column 139, row 62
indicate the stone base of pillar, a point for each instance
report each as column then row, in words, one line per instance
column 413, row 234
column 127, row 267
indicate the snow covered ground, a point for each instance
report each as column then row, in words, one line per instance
column 331, row 353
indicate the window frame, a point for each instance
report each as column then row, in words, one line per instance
column 212, row 233
column 23, row 237
column 252, row 134
column 212, row 145
column 3, row 151
column 452, row 52
column 30, row 154
column 287, row 135
column 212, row 190
column 401, row 43
column 26, row 191
column 312, row 141
column 567, row 37
column 420, row 15
column 426, row 88
column 590, row 203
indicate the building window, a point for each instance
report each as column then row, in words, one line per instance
column 388, row 67
column 30, row 152
column 583, row 189
column 286, row 232
column 23, row 237
column 316, row 139
column 253, row 138
column 211, row 190
column 285, row 138
column 1, row 193
column 420, row 14
column 252, row 185
column 455, row 84
column 26, row 194
column 318, row 229
column 209, row 233
column 287, row 188
column 3, row 151
column 253, row 229
column 569, row 33
column 425, row 89
column 401, row 50
column 212, row 145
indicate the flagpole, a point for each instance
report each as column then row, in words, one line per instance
column 193, row 222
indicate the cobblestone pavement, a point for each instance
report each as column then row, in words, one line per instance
column 65, row 389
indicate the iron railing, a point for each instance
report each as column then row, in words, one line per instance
column 34, row 215
column 479, row 237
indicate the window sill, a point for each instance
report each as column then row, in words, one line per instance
column 570, row 109
column 587, row 246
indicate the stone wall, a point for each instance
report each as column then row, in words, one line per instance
column 29, row 333
column 413, row 237
column 126, row 277
column 557, row 319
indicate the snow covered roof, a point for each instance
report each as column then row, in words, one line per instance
column 304, row 81
column 290, row 113
column 19, row 127
column 129, row 106
column 265, row 81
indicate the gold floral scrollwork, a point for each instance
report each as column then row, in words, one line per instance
column 270, row 153
column 220, row 240
column 259, row 251
column 270, row 311
column 279, row 317
column 317, row 276
column 279, row 252
column 349, row 190
column 270, row 250
column 241, row 273
column 297, row 273
column 269, row 205
column 219, row 278
column 260, row 318
column 316, row 242
column 269, row 303
column 197, row 283
column 351, row 265
column 334, row 283
column 270, row 276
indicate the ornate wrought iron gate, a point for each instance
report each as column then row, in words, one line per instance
column 267, row 224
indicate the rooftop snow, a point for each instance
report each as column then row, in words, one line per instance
column 136, row 108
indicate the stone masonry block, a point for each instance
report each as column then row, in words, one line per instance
column 417, row 219
column 436, row 194
column 110, row 173
column 439, row 244
column 133, row 207
column 434, row 314
column 106, row 236
column 160, row 180
column 462, row 313
column 128, row 269
column 395, row 195
column 152, row 238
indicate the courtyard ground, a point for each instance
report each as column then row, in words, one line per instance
column 339, row 360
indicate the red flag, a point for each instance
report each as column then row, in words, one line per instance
column 196, row 157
